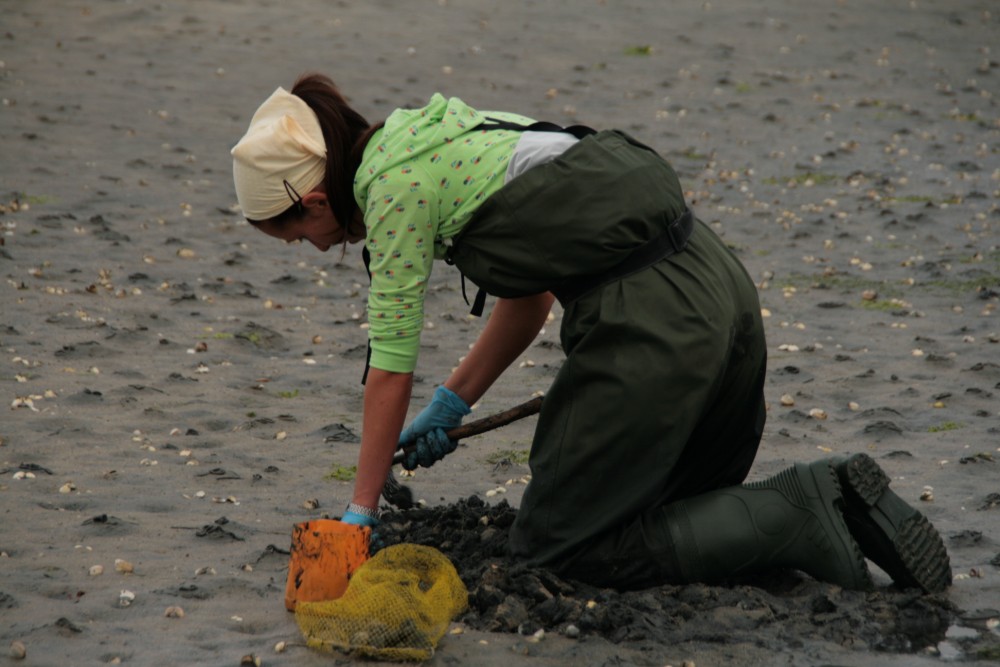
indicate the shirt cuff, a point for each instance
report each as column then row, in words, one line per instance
column 395, row 358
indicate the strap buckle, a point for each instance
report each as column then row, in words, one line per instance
column 679, row 231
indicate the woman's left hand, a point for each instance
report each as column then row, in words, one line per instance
column 356, row 519
column 375, row 541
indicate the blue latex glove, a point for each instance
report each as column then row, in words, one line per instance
column 375, row 542
column 356, row 519
column 445, row 411
column 429, row 449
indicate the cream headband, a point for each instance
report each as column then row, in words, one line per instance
column 283, row 143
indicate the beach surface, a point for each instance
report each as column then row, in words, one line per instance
column 180, row 390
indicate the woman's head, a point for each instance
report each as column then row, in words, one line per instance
column 301, row 149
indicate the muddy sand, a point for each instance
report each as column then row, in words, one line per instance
column 182, row 389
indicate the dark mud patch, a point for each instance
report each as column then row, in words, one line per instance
column 780, row 610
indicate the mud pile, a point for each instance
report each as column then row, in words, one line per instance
column 778, row 610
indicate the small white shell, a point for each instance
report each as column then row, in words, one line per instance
column 18, row 650
column 125, row 598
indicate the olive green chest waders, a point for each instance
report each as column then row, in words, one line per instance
column 660, row 398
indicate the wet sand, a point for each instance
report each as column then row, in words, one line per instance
column 182, row 389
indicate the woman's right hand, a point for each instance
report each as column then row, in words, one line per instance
column 426, row 435
column 428, row 449
column 445, row 412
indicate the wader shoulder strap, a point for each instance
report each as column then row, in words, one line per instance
column 366, row 257
column 578, row 131
column 671, row 241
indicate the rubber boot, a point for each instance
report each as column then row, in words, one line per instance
column 792, row 520
column 894, row 535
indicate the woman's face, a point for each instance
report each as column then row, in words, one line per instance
column 317, row 226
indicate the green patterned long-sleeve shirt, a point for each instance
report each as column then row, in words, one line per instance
column 421, row 178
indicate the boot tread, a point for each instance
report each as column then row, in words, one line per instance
column 925, row 561
column 892, row 533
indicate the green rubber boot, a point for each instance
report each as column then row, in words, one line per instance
column 792, row 520
column 894, row 535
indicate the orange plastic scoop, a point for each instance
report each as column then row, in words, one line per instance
column 324, row 554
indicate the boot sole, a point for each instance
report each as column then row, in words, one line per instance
column 892, row 533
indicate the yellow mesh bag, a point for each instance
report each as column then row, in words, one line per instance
column 397, row 606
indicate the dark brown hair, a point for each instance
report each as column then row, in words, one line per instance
column 346, row 132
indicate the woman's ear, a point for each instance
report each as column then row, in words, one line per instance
column 315, row 199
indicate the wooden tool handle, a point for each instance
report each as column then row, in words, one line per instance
column 483, row 425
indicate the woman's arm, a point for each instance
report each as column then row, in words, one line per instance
column 387, row 396
column 513, row 324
